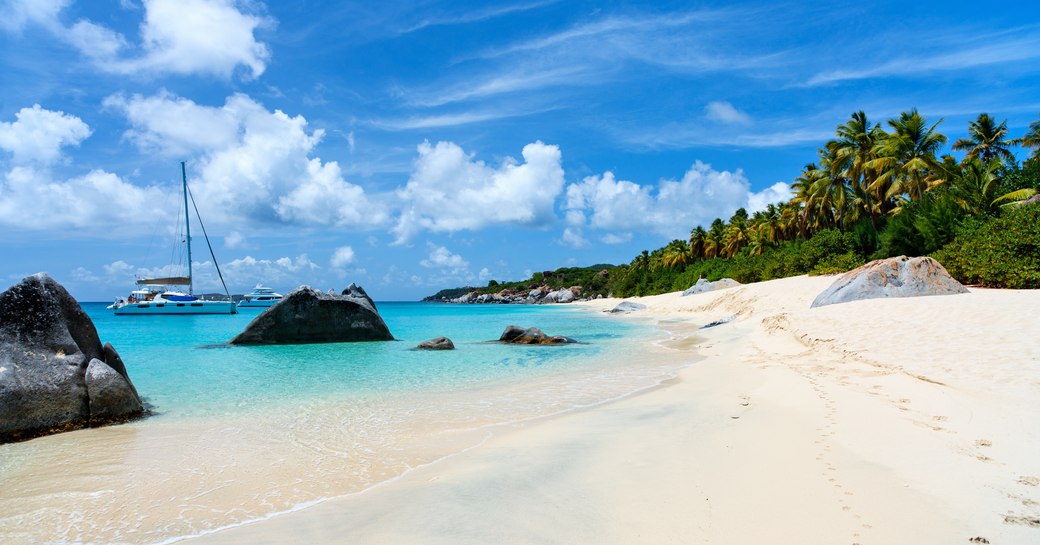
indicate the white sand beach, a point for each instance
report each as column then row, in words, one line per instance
column 886, row 421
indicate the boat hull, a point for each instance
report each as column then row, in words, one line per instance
column 261, row 304
column 177, row 307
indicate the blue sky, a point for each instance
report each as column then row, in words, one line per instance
column 412, row 146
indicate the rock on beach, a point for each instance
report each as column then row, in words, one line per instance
column 893, row 277
column 55, row 375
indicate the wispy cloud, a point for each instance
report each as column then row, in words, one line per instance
column 476, row 15
column 451, row 120
column 511, row 81
column 1009, row 47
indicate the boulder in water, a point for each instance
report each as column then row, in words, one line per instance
column 437, row 343
column 531, row 335
column 307, row 315
column 893, row 277
column 55, row 375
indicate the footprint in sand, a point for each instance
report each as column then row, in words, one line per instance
column 983, row 443
column 1030, row 481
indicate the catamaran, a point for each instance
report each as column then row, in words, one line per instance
column 155, row 296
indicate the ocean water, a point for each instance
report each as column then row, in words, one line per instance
column 245, row 433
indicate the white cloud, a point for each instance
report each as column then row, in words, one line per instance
column 255, row 163
column 724, row 112
column 572, row 237
column 442, row 258
column 248, row 270
column 341, row 257
column 16, row 14
column 177, row 36
column 670, row 209
column 778, row 192
column 38, row 135
column 97, row 202
column 234, row 239
column 198, row 36
column 449, row 191
column 612, row 238
column 485, row 274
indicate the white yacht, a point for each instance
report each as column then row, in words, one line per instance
column 260, row 297
column 154, row 296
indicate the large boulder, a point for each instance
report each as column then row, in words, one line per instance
column 531, row 335
column 55, row 375
column 307, row 315
column 893, row 277
column 703, row 286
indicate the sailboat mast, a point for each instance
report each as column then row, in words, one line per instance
column 187, row 224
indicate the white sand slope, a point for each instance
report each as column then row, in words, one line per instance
column 887, row 421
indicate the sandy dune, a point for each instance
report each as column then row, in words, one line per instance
column 888, row 421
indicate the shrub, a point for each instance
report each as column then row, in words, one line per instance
column 999, row 253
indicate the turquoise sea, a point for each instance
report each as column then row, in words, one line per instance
column 246, row 433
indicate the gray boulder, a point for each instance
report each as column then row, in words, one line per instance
column 307, row 315
column 531, row 335
column 437, row 343
column 560, row 296
column 626, row 306
column 703, row 286
column 893, row 277
column 55, row 375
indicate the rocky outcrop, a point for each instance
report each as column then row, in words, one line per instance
column 703, row 286
column 531, row 335
column 626, row 307
column 354, row 290
column 437, row 343
column 55, row 375
column 894, row 277
column 307, row 315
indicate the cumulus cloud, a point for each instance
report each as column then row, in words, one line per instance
column 449, row 191
column 776, row 193
column 342, row 257
column 724, row 112
column 671, row 208
column 31, row 199
column 246, row 271
column 442, row 258
column 37, row 135
column 255, row 163
column 177, row 36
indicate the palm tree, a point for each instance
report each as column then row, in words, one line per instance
column 713, row 244
column 973, row 184
column 906, row 157
column 698, row 236
column 1031, row 139
column 986, row 141
column 853, row 150
column 677, row 254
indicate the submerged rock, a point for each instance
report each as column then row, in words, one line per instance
column 627, row 306
column 55, row 375
column 437, row 343
column 531, row 335
column 307, row 315
column 703, row 285
column 893, row 277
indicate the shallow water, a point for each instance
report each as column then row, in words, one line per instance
column 242, row 433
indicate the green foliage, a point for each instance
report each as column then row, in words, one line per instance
column 1000, row 253
column 921, row 227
